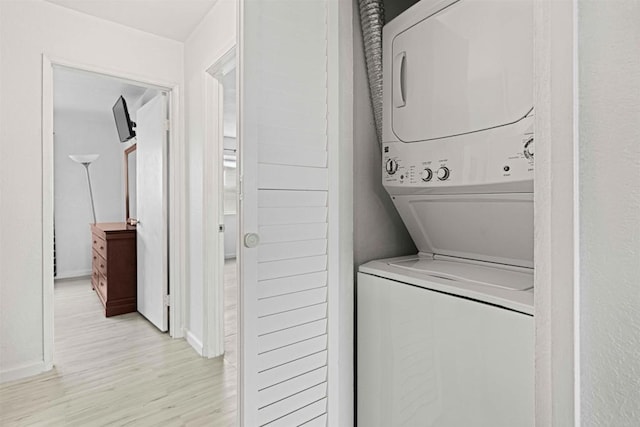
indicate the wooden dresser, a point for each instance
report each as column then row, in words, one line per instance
column 114, row 273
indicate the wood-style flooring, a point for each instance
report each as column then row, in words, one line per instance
column 121, row 371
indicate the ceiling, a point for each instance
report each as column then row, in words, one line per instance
column 174, row 19
column 80, row 91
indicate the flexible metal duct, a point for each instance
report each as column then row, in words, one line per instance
column 372, row 21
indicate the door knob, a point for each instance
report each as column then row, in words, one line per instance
column 133, row 221
column 251, row 240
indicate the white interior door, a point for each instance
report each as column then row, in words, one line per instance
column 284, row 182
column 151, row 203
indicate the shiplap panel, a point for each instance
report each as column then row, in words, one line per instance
column 290, row 250
column 281, row 61
column 291, row 267
column 292, row 155
column 320, row 421
column 287, row 285
column 292, row 215
column 294, row 385
column 275, row 135
column 291, row 336
column 292, row 233
column 282, row 303
column 284, row 117
column 292, row 177
column 291, row 90
column 287, row 198
column 281, row 356
column 306, row 39
column 311, row 13
column 292, row 26
column 291, row 370
column 302, row 415
column 289, row 319
column 292, row 403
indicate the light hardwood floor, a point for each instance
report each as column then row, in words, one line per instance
column 121, row 371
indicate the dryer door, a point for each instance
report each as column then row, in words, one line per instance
column 463, row 69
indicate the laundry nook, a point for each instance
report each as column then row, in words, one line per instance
column 446, row 336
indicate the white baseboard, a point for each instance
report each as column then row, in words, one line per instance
column 194, row 341
column 23, row 371
column 79, row 274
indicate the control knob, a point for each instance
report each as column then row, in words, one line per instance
column 391, row 166
column 528, row 149
column 443, row 173
column 427, row 174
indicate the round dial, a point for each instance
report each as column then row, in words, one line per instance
column 529, row 149
column 391, row 166
column 443, row 173
column 427, row 174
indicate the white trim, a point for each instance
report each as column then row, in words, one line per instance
column 242, row 419
column 177, row 223
column 177, row 228
column 23, row 371
column 193, row 341
column 577, row 420
column 47, row 213
column 213, row 204
column 555, row 205
column 341, row 373
column 78, row 274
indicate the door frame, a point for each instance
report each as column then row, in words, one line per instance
column 176, row 225
column 213, row 204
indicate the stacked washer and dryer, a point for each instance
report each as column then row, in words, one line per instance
column 446, row 337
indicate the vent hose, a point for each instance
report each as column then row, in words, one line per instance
column 372, row 21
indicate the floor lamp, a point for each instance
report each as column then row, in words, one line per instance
column 85, row 160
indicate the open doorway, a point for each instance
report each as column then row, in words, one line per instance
column 221, row 162
column 229, row 213
column 110, row 159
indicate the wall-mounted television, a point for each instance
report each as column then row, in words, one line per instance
column 123, row 121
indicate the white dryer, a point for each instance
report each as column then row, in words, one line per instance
column 446, row 337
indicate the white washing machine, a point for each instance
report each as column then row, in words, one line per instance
column 446, row 337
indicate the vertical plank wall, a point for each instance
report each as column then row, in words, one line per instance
column 283, row 128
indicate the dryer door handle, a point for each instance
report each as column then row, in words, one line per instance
column 399, row 65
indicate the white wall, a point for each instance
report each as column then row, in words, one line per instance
column 609, row 206
column 211, row 39
column 27, row 30
column 378, row 230
column 78, row 132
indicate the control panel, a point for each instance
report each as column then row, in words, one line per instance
column 501, row 158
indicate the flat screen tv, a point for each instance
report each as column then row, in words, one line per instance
column 123, row 121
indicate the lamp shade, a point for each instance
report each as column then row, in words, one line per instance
column 83, row 158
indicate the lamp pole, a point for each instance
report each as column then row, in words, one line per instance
column 85, row 160
column 93, row 208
